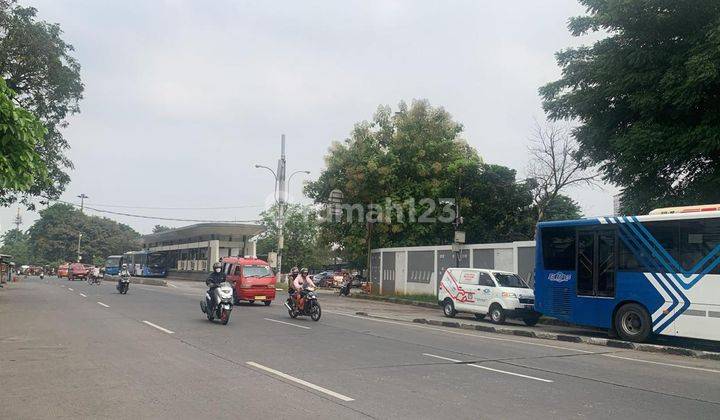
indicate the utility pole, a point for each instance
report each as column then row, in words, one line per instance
column 82, row 198
column 282, row 182
column 282, row 163
column 18, row 219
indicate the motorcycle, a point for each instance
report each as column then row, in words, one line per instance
column 123, row 285
column 305, row 306
column 95, row 280
column 223, row 299
column 42, row 276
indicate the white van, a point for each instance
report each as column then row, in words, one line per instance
column 500, row 294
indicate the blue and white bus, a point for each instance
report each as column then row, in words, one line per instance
column 145, row 263
column 636, row 275
column 112, row 265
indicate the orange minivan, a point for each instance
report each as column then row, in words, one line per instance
column 252, row 279
column 63, row 270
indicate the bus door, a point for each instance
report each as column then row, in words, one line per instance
column 596, row 258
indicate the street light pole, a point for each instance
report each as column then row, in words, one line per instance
column 282, row 191
column 82, row 198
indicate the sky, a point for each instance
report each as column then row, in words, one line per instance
column 183, row 98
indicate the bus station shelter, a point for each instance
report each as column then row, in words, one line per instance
column 190, row 251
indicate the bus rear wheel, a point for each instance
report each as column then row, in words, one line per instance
column 632, row 323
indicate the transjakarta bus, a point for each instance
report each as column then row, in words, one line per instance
column 634, row 275
column 145, row 263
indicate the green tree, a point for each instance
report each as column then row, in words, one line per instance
column 21, row 135
column 37, row 64
column 160, row 228
column 405, row 157
column 562, row 207
column 303, row 246
column 17, row 244
column 54, row 236
column 646, row 98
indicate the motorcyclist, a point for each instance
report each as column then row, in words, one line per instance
column 213, row 281
column 123, row 272
column 302, row 283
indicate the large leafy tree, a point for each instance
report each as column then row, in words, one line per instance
column 54, row 236
column 303, row 245
column 21, row 135
column 16, row 243
column 646, row 97
column 413, row 154
column 37, row 64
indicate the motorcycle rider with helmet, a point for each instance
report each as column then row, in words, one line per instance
column 301, row 284
column 294, row 272
column 213, row 281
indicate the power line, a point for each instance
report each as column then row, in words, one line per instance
column 170, row 219
column 176, row 208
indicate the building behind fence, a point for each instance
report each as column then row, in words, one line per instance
column 417, row 270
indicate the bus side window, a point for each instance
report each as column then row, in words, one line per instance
column 558, row 248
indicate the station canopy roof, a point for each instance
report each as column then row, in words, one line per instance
column 236, row 230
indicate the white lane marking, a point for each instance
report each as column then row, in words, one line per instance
column 286, row 323
column 83, row 295
column 662, row 364
column 490, row 369
column 70, row 289
column 279, row 290
column 158, row 327
column 448, row 331
column 102, row 304
column 172, row 285
column 301, row 382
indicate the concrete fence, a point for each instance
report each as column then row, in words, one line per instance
column 417, row 270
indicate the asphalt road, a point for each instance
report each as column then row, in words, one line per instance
column 90, row 352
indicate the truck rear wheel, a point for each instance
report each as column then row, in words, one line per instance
column 632, row 323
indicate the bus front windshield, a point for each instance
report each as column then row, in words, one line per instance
column 257, row 271
column 510, row 280
column 155, row 260
column 112, row 262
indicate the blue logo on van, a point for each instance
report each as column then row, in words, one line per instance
column 559, row 277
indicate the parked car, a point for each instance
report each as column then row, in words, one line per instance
column 323, row 279
column 63, row 270
column 78, row 271
column 499, row 294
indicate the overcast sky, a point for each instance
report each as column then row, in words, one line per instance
column 182, row 98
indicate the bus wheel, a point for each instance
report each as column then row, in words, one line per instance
column 632, row 322
column 449, row 308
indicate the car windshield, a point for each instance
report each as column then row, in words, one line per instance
column 510, row 280
column 256, row 271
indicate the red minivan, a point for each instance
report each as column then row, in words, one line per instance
column 253, row 279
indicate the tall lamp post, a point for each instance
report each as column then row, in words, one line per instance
column 282, row 190
column 82, row 198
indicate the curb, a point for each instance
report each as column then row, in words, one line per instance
column 607, row 342
column 543, row 320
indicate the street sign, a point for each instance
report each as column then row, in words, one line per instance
column 460, row 237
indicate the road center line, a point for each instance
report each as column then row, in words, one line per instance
column 158, row 327
column 286, row 323
column 449, row 331
column 172, row 285
column 102, row 304
column 70, row 289
column 83, row 295
column 663, row 364
column 488, row 368
column 301, row 382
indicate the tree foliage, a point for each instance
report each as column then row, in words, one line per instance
column 562, row 207
column 54, row 236
column 16, row 243
column 160, row 228
column 413, row 154
column 21, row 135
column 303, row 246
column 647, row 98
column 37, row 64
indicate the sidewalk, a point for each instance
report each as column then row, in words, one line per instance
column 433, row 315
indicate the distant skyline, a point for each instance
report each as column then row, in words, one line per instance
column 183, row 98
